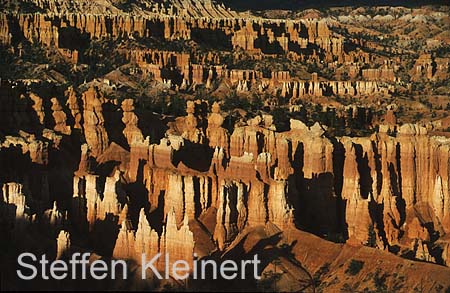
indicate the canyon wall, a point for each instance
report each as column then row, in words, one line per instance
column 388, row 190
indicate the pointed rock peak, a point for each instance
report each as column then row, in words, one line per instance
column 317, row 129
column 84, row 148
column 126, row 225
column 123, row 227
column 117, row 175
column 123, row 214
column 142, row 214
column 298, row 125
column 186, row 220
column 171, row 218
column 256, row 121
column 128, row 105
column 63, row 236
column 143, row 218
column 125, row 210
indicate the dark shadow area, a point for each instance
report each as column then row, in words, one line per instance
column 172, row 74
column 16, row 110
column 210, row 38
column 150, row 124
column 268, row 47
column 377, row 158
column 317, row 212
column 78, row 217
column 73, row 39
column 297, row 165
column 114, row 125
column 104, row 234
column 338, row 171
column 138, row 195
column 194, row 156
column 364, row 171
column 376, row 214
column 156, row 216
column 198, row 208
column 106, row 169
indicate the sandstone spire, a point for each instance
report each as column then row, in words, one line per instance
column 191, row 132
column 74, row 107
column 216, row 134
column 94, row 130
column 60, row 117
column 130, row 119
column 62, row 244
column 38, row 107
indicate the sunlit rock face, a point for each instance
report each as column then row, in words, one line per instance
column 94, row 130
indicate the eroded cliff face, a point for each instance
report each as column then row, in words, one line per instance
column 65, row 29
column 201, row 188
column 395, row 186
column 132, row 132
column 384, row 191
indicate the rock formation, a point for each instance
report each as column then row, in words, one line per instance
column 94, row 130
column 191, row 132
column 124, row 247
column 74, row 107
column 357, row 207
column 131, row 131
column 177, row 243
column 62, row 244
column 53, row 218
column 16, row 202
column 38, row 107
column 60, row 118
column 147, row 240
column 216, row 134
